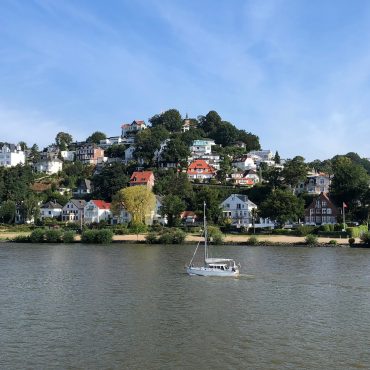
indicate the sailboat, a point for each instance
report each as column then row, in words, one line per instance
column 211, row 266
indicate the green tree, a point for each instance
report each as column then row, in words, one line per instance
column 63, row 139
column 110, row 180
column 277, row 158
column 115, row 151
column 350, row 182
column 212, row 198
column 170, row 119
column 139, row 201
column 23, row 145
column 295, row 170
column 7, row 212
column 148, row 141
column 95, row 137
column 282, row 206
column 172, row 206
column 176, row 151
column 34, row 153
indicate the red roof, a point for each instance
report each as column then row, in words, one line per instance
column 101, row 204
column 141, row 177
column 200, row 164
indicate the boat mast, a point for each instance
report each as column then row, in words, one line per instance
column 205, row 232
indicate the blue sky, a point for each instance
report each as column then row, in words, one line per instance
column 296, row 73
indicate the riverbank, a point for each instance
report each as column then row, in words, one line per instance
column 192, row 238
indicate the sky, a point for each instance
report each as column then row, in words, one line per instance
column 295, row 73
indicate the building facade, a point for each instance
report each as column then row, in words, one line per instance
column 322, row 210
column 11, row 155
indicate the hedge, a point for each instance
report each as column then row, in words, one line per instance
column 103, row 236
column 357, row 231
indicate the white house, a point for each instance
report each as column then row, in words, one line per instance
column 49, row 166
column 244, row 163
column 315, row 183
column 50, row 210
column 133, row 127
column 96, row 211
column 129, row 153
column 109, row 141
column 68, row 155
column 73, row 211
column 201, row 147
column 11, row 155
column 238, row 208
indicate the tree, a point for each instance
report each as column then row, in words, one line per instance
column 109, row 180
column 7, row 212
column 251, row 141
column 148, row 141
column 210, row 122
column 170, row 119
column 295, row 170
column 277, row 158
column 96, row 137
column 282, row 206
column 175, row 151
column 23, row 145
column 115, row 151
column 63, row 139
column 35, row 153
column 212, row 198
column 172, row 206
column 350, row 182
column 139, row 201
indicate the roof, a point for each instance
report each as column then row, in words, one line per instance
column 141, row 177
column 51, row 205
column 79, row 203
column 200, row 164
column 101, row 204
column 187, row 214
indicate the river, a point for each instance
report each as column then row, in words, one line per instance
column 133, row 307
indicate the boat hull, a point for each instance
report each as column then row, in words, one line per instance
column 209, row 271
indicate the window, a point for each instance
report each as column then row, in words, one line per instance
column 328, row 211
column 227, row 205
column 323, row 203
column 318, row 205
column 324, row 211
column 238, row 206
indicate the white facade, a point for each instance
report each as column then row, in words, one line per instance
column 238, row 209
column 11, row 155
column 129, row 153
column 49, row 166
column 114, row 140
column 265, row 155
column 96, row 211
column 73, row 211
column 68, row 155
column 50, row 210
column 244, row 163
column 201, row 147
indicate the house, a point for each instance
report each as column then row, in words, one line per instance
column 50, row 210
column 246, row 178
column 84, row 187
column 132, row 128
column 264, row 155
column 322, row 210
column 238, row 208
column 11, row 155
column 68, row 155
column 142, row 178
column 96, row 211
column 109, row 141
column 315, row 183
column 201, row 170
column 244, row 163
column 90, row 154
column 73, row 211
column 202, row 149
column 49, row 166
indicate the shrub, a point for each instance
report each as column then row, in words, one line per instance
column 173, row 236
column 357, row 231
column 137, row 228
column 53, row 236
column 252, row 240
column 333, row 242
column 103, row 236
column 69, row 236
column 37, row 236
column 351, row 241
column 120, row 230
column 151, row 238
column 311, row 239
column 365, row 238
column 281, row 232
column 215, row 235
column 303, row 230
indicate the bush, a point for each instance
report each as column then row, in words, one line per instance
column 365, row 238
column 357, row 231
column 351, row 241
column 53, row 236
column 103, row 236
column 252, row 240
column 172, row 236
column 215, row 235
column 137, row 229
column 69, row 236
column 311, row 239
column 281, row 232
column 37, row 236
column 120, row 230
column 333, row 242
column 151, row 238
column 303, row 230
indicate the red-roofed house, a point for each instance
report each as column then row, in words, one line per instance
column 133, row 127
column 142, row 178
column 200, row 169
column 96, row 211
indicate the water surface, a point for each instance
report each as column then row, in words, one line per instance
column 133, row 307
